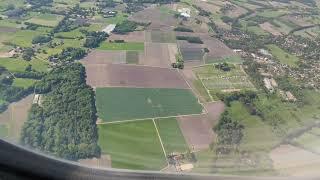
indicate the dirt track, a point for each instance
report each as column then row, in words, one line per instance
column 114, row 75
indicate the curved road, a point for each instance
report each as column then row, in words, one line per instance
column 17, row 162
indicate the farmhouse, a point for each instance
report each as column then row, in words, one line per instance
column 268, row 85
column 109, row 28
column 185, row 12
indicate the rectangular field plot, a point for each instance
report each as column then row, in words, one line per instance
column 156, row 36
column 49, row 20
column 171, row 136
column 128, row 46
column 215, row 79
column 132, row 145
column 191, row 54
column 116, row 104
column 132, row 57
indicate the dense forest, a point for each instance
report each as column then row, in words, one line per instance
column 63, row 123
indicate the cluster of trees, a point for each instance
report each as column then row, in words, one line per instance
column 230, row 133
column 65, row 123
column 183, row 29
column 68, row 55
column 151, row 1
column 106, row 4
column 190, row 39
column 179, row 62
column 9, row 93
column 39, row 2
column 27, row 54
column 65, row 25
column 30, row 26
column 202, row 12
column 125, row 27
column 93, row 39
column 224, row 66
column 41, row 39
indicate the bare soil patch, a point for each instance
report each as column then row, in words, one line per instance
column 105, row 57
column 197, row 131
column 236, row 12
column 112, row 75
column 217, row 49
column 270, row 28
column 8, row 29
column 156, row 54
column 294, row 161
column 158, row 19
column 103, row 162
column 215, row 109
column 136, row 36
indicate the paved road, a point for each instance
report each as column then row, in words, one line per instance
column 17, row 162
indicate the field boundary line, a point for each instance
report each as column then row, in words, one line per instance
column 108, row 86
column 164, row 151
column 211, row 98
column 194, row 92
column 150, row 118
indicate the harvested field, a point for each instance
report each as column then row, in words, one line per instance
column 236, row 12
column 158, row 18
column 103, row 162
column 8, row 29
column 104, row 57
column 270, row 28
column 15, row 116
column 112, row 75
column 173, row 50
column 208, row 6
column 197, row 131
column 215, row 109
column 119, row 104
column 136, row 36
column 217, row 48
column 294, row 161
column 156, row 55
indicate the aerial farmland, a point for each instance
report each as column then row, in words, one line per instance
column 218, row 87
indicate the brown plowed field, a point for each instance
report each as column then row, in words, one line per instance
column 217, row 48
column 113, row 75
column 156, row 54
column 215, row 109
column 104, row 57
column 270, row 28
column 136, row 36
column 197, row 131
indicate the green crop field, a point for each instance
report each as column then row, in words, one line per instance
column 282, row 56
column 23, row 82
column 309, row 141
column 19, row 65
column 24, row 38
column 129, row 46
column 171, row 136
column 132, row 145
column 218, row 80
column 115, row 104
column 49, row 20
